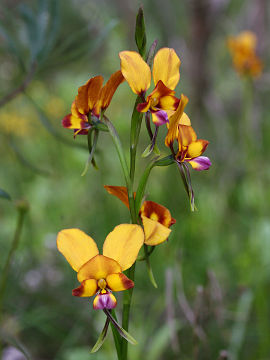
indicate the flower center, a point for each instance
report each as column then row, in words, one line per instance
column 102, row 284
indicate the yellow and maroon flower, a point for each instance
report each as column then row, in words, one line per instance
column 101, row 274
column 156, row 219
column 161, row 102
column 92, row 100
column 190, row 149
column 243, row 52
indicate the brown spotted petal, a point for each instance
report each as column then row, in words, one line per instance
column 157, row 212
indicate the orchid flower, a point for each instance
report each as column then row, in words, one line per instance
column 161, row 102
column 243, row 51
column 156, row 219
column 92, row 100
column 101, row 274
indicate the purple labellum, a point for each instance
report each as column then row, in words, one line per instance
column 159, row 117
column 104, row 301
column 200, row 163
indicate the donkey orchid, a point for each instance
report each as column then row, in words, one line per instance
column 161, row 102
column 190, row 148
column 156, row 219
column 92, row 100
column 101, row 274
column 243, row 51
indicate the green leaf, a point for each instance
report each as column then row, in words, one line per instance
column 140, row 35
column 166, row 161
column 156, row 150
column 119, row 149
column 102, row 337
column 4, row 195
column 151, row 53
column 92, row 149
column 121, row 331
column 147, row 151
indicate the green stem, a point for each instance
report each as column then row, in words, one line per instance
column 126, row 310
column 148, row 265
column 116, row 337
column 142, row 185
column 136, row 122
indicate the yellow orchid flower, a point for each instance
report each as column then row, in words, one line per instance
column 156, row 219
column 190, row 149
column 92, row 100
column 161, row 102
column 243, row 52
column 101, row 274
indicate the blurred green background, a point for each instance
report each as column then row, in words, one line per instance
column 214, row 272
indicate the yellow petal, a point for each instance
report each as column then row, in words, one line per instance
column 174, row 121
column 168, row 103
column 196, row 148
column 97, row 268
column 186, row 135
column 123, row 244
column 76, row 246
column 135, row 71
column 109, row 89
column 120, row 192
column 166, row 67
column 155, row 233
column 157, row 212
column 185, row 120
column 87, row 288
column 119, row 282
